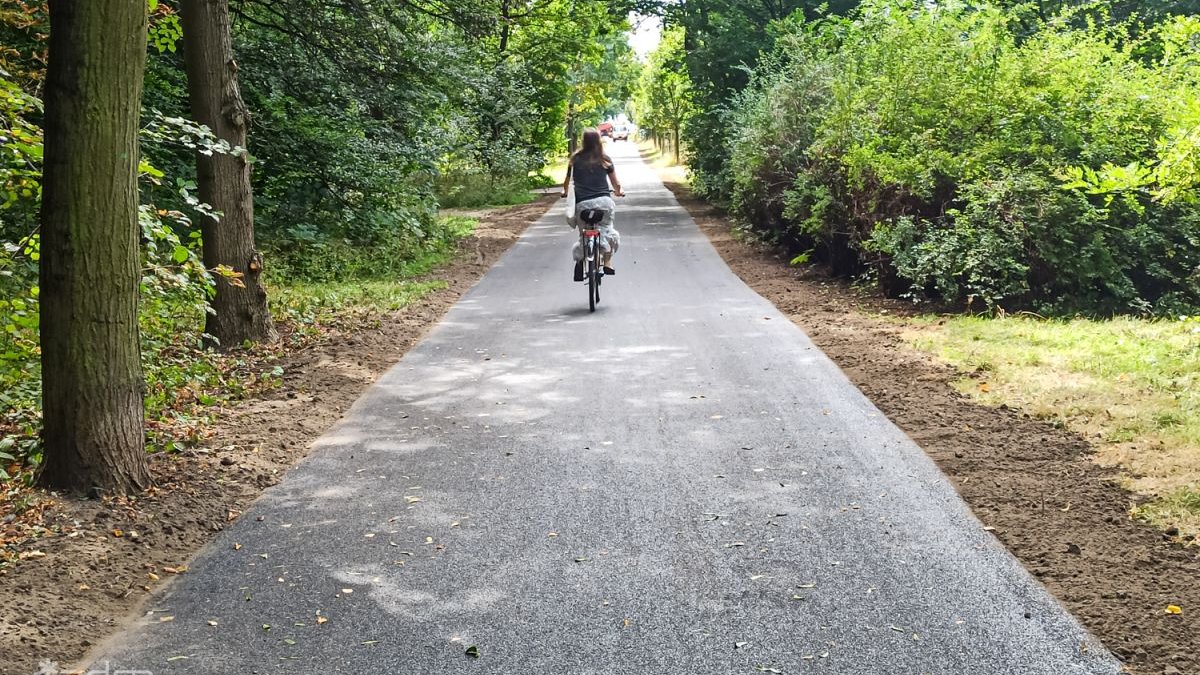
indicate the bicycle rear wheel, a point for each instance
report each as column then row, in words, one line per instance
column 593, row 276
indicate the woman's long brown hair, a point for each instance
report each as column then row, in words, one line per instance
column 592, row 151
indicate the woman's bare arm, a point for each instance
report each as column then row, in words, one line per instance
column 566, row 181
column 616, row 182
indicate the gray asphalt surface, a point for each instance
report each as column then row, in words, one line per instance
column 678, row 483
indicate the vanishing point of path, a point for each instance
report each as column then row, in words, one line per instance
column 679, row 483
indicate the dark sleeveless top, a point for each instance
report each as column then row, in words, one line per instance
column 591, row 180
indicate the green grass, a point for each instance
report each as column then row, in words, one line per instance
column 382, row 281
column 552, row 174
column 1130, row 385
column 471, row 191
column 309, row 302
column 663, row 163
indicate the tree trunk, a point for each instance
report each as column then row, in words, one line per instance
column 240, row 313
column 675, row 143
column 92, row 385
column 505, row 27
column 572, row 137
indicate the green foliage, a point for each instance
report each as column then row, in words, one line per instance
column 723, row 42
column 1172, row 172
column 949, row 156
column 601, row 84
column 663, row 101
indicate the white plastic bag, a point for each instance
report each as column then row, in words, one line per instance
column 571, row 205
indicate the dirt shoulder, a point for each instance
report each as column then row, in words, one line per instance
column 98, row 561
column 1060, row 513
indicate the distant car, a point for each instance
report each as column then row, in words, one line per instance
column 621, row 133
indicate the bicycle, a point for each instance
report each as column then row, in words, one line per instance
column 589, row 241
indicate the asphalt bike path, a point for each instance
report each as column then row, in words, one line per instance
column 679, row 483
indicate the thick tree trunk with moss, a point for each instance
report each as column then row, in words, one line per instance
column 240, row 312
column 92, row 385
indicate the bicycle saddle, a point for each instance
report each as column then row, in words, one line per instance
column 592, row 217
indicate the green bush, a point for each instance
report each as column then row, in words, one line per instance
column 940, row 151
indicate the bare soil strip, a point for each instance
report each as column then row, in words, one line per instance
column 1059, row 512
column 104, row 559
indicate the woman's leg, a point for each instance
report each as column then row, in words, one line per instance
column 612, row 241
column 609, row 237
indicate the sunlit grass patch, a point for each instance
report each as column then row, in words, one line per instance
column 312, row 302
column 1132, row 386
column 553, row 173
column 663, row 163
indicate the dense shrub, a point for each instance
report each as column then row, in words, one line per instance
column 950, row 155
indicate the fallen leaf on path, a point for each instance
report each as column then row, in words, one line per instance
column 369, row 642
column 579, row 560
column 164, row 619
column 1174, row 609
column 153, row 576
column 412, row 500
column 739, row 645
column 212, row 622
column 176, row 570
column 472, row 652
column 176, row 658
column 767, row 669
column 118, row 533
column 347, row 591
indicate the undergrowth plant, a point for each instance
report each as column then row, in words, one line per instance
column 949, row 152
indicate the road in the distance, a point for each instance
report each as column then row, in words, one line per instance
column 680, row 483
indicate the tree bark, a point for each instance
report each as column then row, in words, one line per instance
column 92, row 385
column 240, row 313
column 505, row 26
column 572, row 137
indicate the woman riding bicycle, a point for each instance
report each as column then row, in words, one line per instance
column 593, row 171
